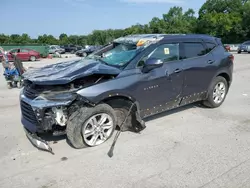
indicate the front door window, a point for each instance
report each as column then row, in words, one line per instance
column 164, row 52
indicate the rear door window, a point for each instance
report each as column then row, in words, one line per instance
column 192, row 50
column 24, row 50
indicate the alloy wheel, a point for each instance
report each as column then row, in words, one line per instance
column 219, row 92
column 97, row 129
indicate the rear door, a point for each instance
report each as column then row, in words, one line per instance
column 24, row 54
column 199, row 66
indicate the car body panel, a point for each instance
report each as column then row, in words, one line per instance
column 65, row 72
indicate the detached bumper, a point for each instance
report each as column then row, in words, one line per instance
column 38, row 142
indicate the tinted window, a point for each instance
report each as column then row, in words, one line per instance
column 192, row 50
column 166, row 52
column 247, row 43
column 210, row 47
column 24, row 50
column 14, row 50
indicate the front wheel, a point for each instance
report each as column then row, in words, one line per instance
column 217, row 92
column 84, row 54
column 91, row 126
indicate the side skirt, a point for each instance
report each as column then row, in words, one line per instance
column 181, row 101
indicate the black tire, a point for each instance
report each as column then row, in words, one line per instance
column 84, row 54
column 210, row 101
column 79, row 117
column 9, row 85
column 19, row 85
column 239, row 52
column 32, row 58
column 121, row 108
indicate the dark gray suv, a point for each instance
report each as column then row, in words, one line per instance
column 244, row 47
column 87, row 99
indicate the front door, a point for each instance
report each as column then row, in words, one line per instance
column 160, row 89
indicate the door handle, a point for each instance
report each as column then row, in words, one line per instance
column 177, row 70
column 210, row 61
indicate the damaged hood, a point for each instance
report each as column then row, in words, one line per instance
column 65, row 72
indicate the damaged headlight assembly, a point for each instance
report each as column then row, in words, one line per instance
column 58, row 96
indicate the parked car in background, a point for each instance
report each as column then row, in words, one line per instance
column 55, row 48
column 244, row 47
column 71, row 48
column 227, row 47
column 24, row 54
column 85, row 52
column 87, row 99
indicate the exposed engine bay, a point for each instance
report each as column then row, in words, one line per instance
column 54, row 118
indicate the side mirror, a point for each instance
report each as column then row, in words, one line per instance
column 151, row 64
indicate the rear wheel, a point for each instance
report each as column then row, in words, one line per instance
column 217, row 92
column 32, row 58
column 9, row 85
column 91, row 126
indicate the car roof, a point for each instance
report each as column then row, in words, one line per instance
column 136, row 37
column 246, row 41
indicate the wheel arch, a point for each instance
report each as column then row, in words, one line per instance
column 226, row 76
column 128, row 100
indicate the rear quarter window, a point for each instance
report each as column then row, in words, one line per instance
column 210, row 47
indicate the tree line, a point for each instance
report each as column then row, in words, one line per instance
column 227, row 19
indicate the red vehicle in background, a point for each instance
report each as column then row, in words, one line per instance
column 228, row 48
column 23, row 54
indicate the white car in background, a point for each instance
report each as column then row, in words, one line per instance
column 55, row 48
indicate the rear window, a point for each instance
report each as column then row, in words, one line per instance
column 193, row 49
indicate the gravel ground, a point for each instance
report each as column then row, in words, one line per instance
column 188, row 147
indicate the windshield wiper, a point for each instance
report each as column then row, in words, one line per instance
column 104, row 62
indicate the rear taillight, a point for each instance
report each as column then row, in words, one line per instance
column 231, row 57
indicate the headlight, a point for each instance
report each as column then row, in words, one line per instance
column 64, row 96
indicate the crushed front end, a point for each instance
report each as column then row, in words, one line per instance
column 45, row 109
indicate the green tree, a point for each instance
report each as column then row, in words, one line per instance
column 4, row 39
column 63, row 38
column 225, row 19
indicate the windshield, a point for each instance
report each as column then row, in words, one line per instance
column 119, row 55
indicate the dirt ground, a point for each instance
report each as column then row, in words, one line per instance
column 188, row 147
